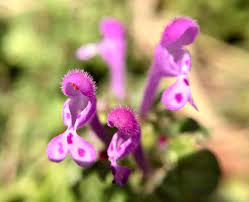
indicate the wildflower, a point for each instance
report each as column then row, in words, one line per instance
column 124, row 141
column 112, row 49
column 172, row 60
column 77, row 111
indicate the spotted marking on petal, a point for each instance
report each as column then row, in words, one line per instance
column 81, row 152
column 178, row 97
column 75, row 86
column 70, row 138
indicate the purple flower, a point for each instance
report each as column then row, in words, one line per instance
column 172, row 60
column 112, row 48
column 77, row 111
column 124, row 141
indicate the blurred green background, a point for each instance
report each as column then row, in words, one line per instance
column 38, row 40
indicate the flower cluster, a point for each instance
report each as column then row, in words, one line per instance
column 80, row 109
column 170, row 60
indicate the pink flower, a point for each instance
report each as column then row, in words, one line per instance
column 172, row 60
column 124, row 141
column 112, row 49
column 77, row 111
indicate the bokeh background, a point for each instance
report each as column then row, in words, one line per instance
column 205, row 156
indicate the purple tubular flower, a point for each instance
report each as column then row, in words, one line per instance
column 172, row 60
column 78, row 109
column 124, row 141
column 112, row 49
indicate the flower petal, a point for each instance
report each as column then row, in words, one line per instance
column 124, row 119
column 177, row 95
column 121, row 174
column 57, row 148
column 85, row 115
column 111, row 151
column 113, row 52
column 185, row 63
column 192, row 102
column 82, row 152
column 112, row 28
column 180, row 32
column 81, row 110
column 88, row 51
column 165, row 62
column 72, row 108
column 66, row 114
column 78, row 82
column 121, row 146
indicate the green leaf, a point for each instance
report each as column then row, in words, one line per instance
column 194, row 178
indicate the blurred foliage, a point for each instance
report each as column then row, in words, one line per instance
column 37, row 46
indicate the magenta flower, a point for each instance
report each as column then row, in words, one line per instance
column 172, row 60
column 112, row 48
column 124, row 141
column 77, row 111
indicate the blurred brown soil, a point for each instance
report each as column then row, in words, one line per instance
column 224, row 66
